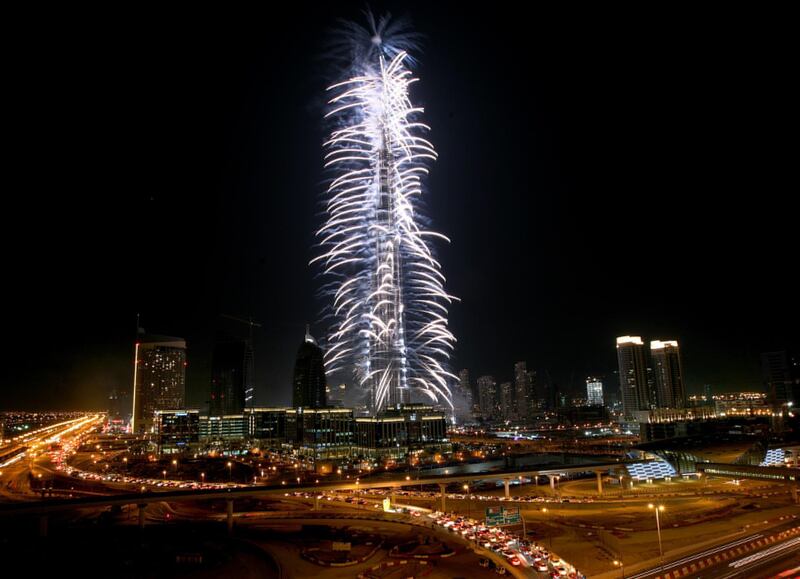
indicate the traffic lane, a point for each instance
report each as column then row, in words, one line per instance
column 784, row 563
column 711, row 560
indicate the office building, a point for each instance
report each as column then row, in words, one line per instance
column 177, row 431
column 320, row 433
column 523, row 392
column 594, row 391
column 780, row 373
column 266, row 427
column 397, row 433
column 230, row 368
column 507, row 401
column 667, row 369
column 309, row 381
column 487, row 397
column 633, row 380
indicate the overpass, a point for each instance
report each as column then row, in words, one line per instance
column 44, row 508
column 771, row 473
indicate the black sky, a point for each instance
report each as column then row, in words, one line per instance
column 600, row 174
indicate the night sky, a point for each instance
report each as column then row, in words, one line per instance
column 600, row 174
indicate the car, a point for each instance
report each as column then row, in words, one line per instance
column 483, row 562
column 541, row 566
column 515, row 561
column 500, row 570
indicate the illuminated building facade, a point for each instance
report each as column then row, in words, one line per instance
column 487, row 397
column 632, row 375
column 321, row 433
column 594, row 391
column 159, row 379
column 668, row 374
column 177, row 430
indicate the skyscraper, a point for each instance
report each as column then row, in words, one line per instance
column 230, row 370
column 159, row 379
column 594, row 391
column 309, row 375
column 507, row 400
column 388, row 306
column 487, row 395
column 523, row 393
column 668, row 374
column 632, row 375
column 780, row 372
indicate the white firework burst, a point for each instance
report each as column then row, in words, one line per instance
column 387, row 304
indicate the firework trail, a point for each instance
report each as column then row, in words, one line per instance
column 387, row 304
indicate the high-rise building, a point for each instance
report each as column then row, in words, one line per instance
column 523, row 391
column 309, row 375
column 487, row 397
column 230, row 363
column 533, row 395
column 632, row 375
column 594, row 391
column 780, row 372
column 668, row 374
column 507, row 400
column 159, row 379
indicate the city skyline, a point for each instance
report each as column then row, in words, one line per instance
column 535, row 195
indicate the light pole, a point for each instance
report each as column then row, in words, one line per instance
column 621, row 565
column 469, row 502
column 658, row 528
column 230, row 471
column 203, row 478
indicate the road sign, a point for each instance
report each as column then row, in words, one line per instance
column 494, row 516
column 503, row 516
column 511, row 516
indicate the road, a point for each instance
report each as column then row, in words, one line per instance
column 738, row 558
column 29, row 456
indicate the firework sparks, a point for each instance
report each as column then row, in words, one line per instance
column 388, row 306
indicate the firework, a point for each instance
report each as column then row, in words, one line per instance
column 387, row 304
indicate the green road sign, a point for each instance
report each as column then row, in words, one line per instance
column 494, row 516
column 503, row 516
column 511, row 516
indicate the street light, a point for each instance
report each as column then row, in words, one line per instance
column 469, row 501
column 621, row 565
column 658, row 527
column 230, row 471
column 203, row 477
column 175, row 464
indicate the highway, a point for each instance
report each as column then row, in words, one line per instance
column 737, row 558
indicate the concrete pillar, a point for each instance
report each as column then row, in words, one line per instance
column 552, row 482
column 794, row 493
column 599, row 474
column 536, row 480
column 229, row 515
column 142, row 507
column 442, row 488
column 506, row 483
column 316, row 502
column 43, row 526
column 393, row 498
